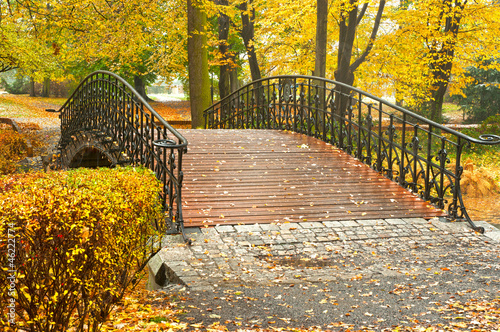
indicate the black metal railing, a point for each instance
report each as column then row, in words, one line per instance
column 406, row 147
column 107, row 106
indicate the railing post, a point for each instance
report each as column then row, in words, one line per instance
column 427, row 189
column 379, row 144
column 391, row 129
column 458, row 175
column 369, row 124
column 341, row 122
column 402, row 173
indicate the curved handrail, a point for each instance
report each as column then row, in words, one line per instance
column 406, row 147
column 108, row 107
column 137, row 95
column 487, row 139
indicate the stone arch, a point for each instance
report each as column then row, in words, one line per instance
column 87, row 149
column 90, row 156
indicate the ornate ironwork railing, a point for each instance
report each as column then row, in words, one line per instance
column 406, row 147
column 107, row 106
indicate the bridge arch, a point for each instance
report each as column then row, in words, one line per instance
column 88, row 150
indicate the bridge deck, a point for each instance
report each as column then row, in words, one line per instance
column 265, row 176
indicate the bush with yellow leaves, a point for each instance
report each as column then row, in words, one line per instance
column 80, row 238
column 477, row 182
column 12, row 149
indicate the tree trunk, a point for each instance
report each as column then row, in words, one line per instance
column 443, row 54
column 140, row 87
column 224, row 68
column 32, row 88
column 199, row 80
column 233, row 77
column 46, row 87
column 347, row 33
column 321, row 38
column 247, row 33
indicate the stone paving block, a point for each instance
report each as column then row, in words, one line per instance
column 373, row 222
column 257, row 243
column 209, row 231
column 332, row 224
column 290, row 226
column 224, row 229
column 244, row 243
column 395, row 221
column 416, row 220
column 349, row 223
column 314, row 224
column 248, row 228
column 269, row 227
column 229, row 240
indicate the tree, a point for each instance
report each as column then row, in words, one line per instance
column 348, row 24
column 223, row 21
column 321, row 37
column 46, row 87
column 442, row 52
column 248, row 35
column 24, row 42
column 431, row 45
column 199, row 81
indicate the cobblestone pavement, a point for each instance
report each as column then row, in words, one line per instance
column 263, row 252
column 357, row 272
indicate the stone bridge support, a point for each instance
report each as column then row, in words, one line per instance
column 92, row 149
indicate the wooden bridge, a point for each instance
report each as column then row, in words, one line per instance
column 282, row 149
column 266, row 176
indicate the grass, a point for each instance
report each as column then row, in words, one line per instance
column 452, row 113
column 24, row 106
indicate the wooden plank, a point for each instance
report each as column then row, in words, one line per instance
column 266, row 176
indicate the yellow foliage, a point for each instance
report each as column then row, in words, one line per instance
column 12, row 149
column 477, row 182
column 81, row 239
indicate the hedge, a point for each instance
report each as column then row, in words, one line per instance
column 81, row 239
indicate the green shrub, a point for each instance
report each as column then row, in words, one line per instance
column 491, row 125
column 81, row 239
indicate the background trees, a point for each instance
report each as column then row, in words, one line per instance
column 415, row 50
column 429, row 48
column 481, row 97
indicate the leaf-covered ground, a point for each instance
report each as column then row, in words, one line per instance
column 433, row 287
column 23, row 106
